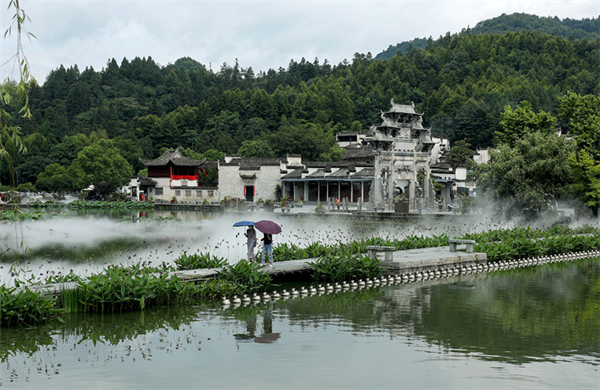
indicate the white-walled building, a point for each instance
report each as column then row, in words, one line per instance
column 172, row 177
column 481, row 156
column 251, row 178
column 350, row 138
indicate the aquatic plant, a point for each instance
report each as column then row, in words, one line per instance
column 340, row 268
column 25, row 307
column 315, row 250
column 59, row 278
column 286, row 251
column 20, row 215
column 249, row 276
column 60, row 251
column 216, row 288
column 129, row 205
column 522, row 243
column 118, row 289
column 199, row 260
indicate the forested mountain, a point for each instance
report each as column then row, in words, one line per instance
column 462, row 83
column 566, row 28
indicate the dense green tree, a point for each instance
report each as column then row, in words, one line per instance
column 256, row 148
column 461, row 82
column 131, row 151
column 223, row 133
column 460, row 154
column 586, row 179
column 79, row 99
column 474, row 123
column 525, row 176
column 335, row 153
column 582, row 115
column 213, row 155
column 309, row 140
column 102, row 165
column 55, row 178
column 523, row 120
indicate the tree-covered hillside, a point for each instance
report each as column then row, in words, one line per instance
column 566, row 28
column 462, row 84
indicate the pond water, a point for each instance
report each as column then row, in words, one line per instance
column 528, row 329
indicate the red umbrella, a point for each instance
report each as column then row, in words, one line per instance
column 268, row 227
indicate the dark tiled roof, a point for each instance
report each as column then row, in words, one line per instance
column 317, row 173
column 295, row 174
column 362, row 152
column 440, row 166
column 341, row 173
column 174, row 157
column 336, row 164
column 254, row 163
column 366, row 172
column 146, row 181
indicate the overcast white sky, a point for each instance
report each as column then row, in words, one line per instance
column 260, row 34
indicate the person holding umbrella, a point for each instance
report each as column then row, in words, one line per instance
column 251, row 235
column 268, row 228
column 267, row 249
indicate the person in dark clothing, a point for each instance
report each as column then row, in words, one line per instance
column 267, row 249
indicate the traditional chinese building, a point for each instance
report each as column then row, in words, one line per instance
column 321, row 181
column 251, row 179
column 403, row 149
column 258, row 178
column 173, row 176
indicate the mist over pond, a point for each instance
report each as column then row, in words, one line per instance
column 86, row 242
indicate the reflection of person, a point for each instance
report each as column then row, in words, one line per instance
column 268, row 336
column 251, row 234
column 268, row 319
column 267, row 249
column 251, row 326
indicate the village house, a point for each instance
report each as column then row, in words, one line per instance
column 321, row 181
column 172, row 177
column 395, row 160
column 251, row 179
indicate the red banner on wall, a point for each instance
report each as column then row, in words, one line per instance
column 186, row 177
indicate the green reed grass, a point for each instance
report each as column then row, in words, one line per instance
column 70, row 300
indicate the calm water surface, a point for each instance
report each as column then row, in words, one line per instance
column 534, row 328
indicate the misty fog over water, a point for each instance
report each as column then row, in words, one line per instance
column 88, row 243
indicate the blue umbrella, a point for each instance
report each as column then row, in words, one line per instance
column 243, row 223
